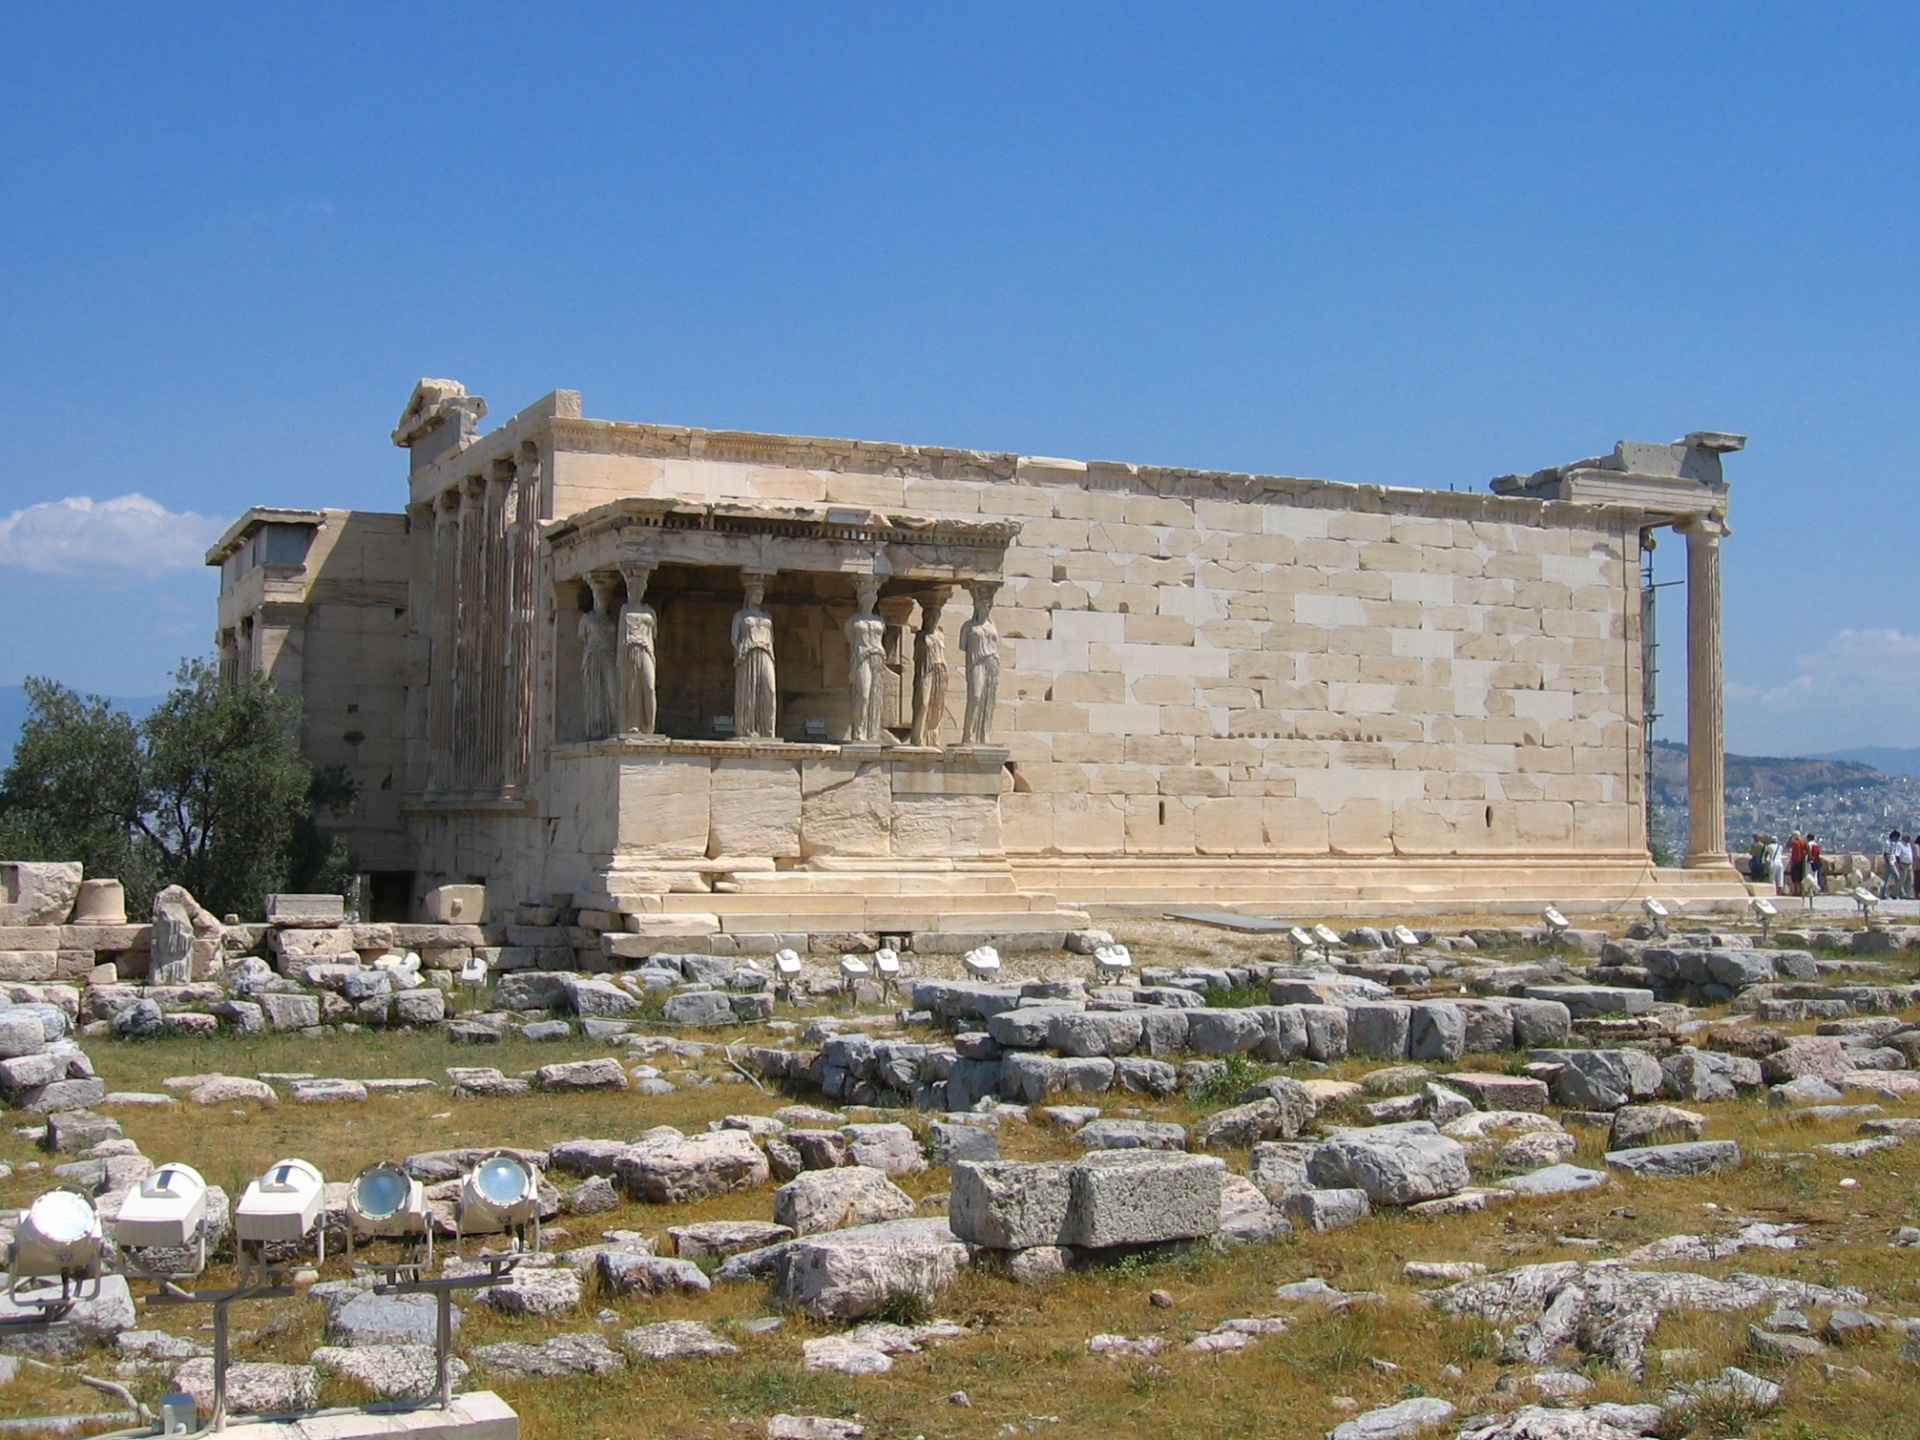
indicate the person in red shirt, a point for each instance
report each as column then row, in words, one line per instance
column 1796, row 863
column 1813, row 863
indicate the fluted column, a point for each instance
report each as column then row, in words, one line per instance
column 446, row 541
column 493, row 626
column 467, row 594
column 525, row 542
column 1706, row 702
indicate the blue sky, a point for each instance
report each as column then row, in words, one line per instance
column 1417, row 245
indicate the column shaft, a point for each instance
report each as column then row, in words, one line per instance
column 1706, row 707
column 446, row 539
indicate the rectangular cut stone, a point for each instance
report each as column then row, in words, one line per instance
column 1009, row 1204
column 663, row 807
column 1379, row 1029
column 318, row 911
column 755, row 808
column 1143, row 1197
column 1499, row 1092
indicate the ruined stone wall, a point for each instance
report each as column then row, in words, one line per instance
column 1226, row 665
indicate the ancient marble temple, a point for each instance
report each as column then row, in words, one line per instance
column 715, row 682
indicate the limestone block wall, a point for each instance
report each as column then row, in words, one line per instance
column 1242, row 666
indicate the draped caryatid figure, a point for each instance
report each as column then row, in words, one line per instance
column 930, row 670
column 980, row 642
column 639, row 636
column 753, row 680
column 866, row 664
column 599, row 661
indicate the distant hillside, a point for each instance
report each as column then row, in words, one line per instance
column 1887, row 759
column 1767, row 776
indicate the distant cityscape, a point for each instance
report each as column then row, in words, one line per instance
column 1850, row 805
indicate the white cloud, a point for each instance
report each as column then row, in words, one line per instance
column 118, row 541
column 1861, row 688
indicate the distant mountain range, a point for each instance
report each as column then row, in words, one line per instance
column 13, row 714
column 1887, row 759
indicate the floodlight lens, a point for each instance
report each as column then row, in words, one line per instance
column 380, row 1191
column 63, row 1217
column 502, row 1180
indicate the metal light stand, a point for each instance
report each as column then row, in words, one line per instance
column 498, row 1268
column 171, row 1294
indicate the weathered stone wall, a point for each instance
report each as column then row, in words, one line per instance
column 1228, row 666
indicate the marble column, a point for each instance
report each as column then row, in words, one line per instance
column 446, row 542
column 493, row 627
column 525, row 543
column 1706, row 705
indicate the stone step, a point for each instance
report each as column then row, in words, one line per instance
column 807, row 906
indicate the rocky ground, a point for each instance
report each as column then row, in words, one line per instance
column 1695, row 1224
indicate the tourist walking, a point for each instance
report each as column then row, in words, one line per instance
column 1796, row 863
column 1777, row 864
column 1813, row 865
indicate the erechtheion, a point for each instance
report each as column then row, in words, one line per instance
column 712, row 682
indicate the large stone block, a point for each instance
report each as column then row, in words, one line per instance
column 676, row 1170
column 850, row 1274
column 1222, row 1031
column 1284, row 1038
column 315, row 911
column 1009, row 1204
column 1143, row 1197
column 1095, row 1032
column 1395, row 1164
column 1327, row 1031
column 37, row 892
column 846, row 808
column 1606, row 1079
column 457, row 905
column 1027, row 1027
column 1438, row 1031
column 1029, row 1079
column 1379, row 1029
column 754, row 808
column 289, row 1012
column 835, row 1199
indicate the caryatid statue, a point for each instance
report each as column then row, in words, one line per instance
column 639, row 634
column 753, row 688
column 866, row 663
column 599, row 661
column 980, row 643
column 930, row 670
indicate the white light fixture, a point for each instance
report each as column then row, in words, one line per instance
column 786, row 969
column 1767, row 912
column 1301, row 940
column 473, row 971
column 983, row 962
column 1865, row 899
column 59, row 1236
column 886, row 964
column 384, row 1202
column 1113, row 959
column 500, row 1193
column 1404, row 938
column 1328, row 937
column 1656, row 912
column 167, row 1212
column 853, row 970
column 279, row 1209
column 1556, row 923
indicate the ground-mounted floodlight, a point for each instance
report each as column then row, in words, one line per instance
column 1656, row 913
column 983, row 963
column 1766, row 912
column 1403, row 938
column 886, row 965
column 852, row 971
column 167, row 1212
column 500, row 1194
column 1866, row 900
column 384, row 1202
column 1301, row 940
column 1113, row 960
column 1328, row 937
column 58, row 1238
column 279, row 1209
column 786, row 970
column 1556, row 923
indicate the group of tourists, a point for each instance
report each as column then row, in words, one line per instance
column 1792, row 865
